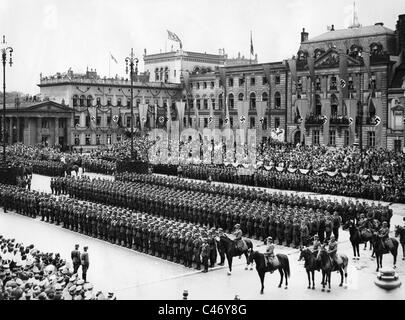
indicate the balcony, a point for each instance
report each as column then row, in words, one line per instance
column 314, row 120
column 339, row 121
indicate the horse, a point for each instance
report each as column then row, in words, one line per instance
column 229, row 248
column 356, row 237
column 261, row 268
column 380, row 249
column 327, row 266
column 311, row 265
column 400, row 231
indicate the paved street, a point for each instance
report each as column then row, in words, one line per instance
column 133, row 275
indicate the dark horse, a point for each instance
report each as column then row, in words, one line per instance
column 327, row 266
column 311, row 265
column 380, row 249
column 283, row 268
column 229, row 248
column 400, row 231
column 356, row 237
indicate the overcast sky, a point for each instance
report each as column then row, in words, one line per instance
column 51, row 36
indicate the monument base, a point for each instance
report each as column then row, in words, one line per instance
column 387, row 279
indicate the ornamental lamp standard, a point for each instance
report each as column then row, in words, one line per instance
column 131, row 60
column 4, row 52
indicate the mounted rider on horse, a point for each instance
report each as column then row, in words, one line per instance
column 383, row 235
column 240, row 244
column 270, row 258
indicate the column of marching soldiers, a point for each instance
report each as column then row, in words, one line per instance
column 180, row 220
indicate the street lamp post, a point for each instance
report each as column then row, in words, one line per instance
column 131, row 60
column 4, row 52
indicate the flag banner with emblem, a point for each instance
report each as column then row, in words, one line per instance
column 311, row 68
column 302, row 105
column 115, row 116
column 326, row 113
column 227, row 120
column 93, row 117
column 292, row 64
column 252, row 144
column 217, row 136
column 172, row 36
column 174, row 139
column 343, row 77
column 243, row 112
column 197, row 116
column 169, row 118
column 207, row 146
column 229, row 139
column 180, row 106
column 266, row 71
column 378, row 120
column 211, row 119
column 351, row 105
column 240, row 152
column 112, row 57
column 261, row 112
column 143, row 112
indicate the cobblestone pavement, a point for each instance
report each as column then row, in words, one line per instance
column 134, row 275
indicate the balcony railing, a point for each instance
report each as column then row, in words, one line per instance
column 340, row 121
column 314, row 120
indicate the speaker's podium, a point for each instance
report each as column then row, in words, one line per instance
column 9, row 173
column 130, row 165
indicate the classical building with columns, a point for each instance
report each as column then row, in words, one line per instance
column 46, row 122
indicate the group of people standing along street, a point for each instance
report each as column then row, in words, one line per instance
column 80, row 259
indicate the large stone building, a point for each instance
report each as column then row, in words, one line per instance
column 342, row 87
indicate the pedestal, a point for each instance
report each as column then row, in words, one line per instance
column 387, row 279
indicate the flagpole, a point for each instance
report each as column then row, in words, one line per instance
column 109, row 65
column 250, row 51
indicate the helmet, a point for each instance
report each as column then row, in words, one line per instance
column 269, row 239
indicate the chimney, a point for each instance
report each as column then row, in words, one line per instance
column 304, row 35
column 400, row 31
column 332, row 28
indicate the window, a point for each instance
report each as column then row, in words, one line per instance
column 128, row 103
column 198, row 85
column 277, row 99
column 97, row 139
column 372, row 84
column 299, row 84
column 108, row 138
column 128, row 121
column 205, row 103
column 230, row 82
column 77, row 121
column 82, row 100
column 89, row 100
column 213, row 103
column 371, row 139
column 109, row 102
column 118, row 137
column 231, row 122
column 318, row 83
column 98, row 120
column 61, row 124
column 265, row 96
column 204, row 85
column 166, row 74
column 252, row 122
column 220, row 101
column 277, row 122
column 137, row 103
column 88, row 139
column 184, row 121
column 87, row 121
column 174, row 73
column 212, row 85
column 205, row 122
column 265, row 124
column 333, row 106
column 264, row 80
column 221, row 122
column 241, row 81
column 346, row 138
column 397, row 146
column 230, row 101
column 77, row 140
column 157, row 74
column 315, row 137
column 198, row 104
column 333, row 83
column 277, row 79
column 191, row 103
column 240, row 97
column 108, row 120
column 252, row 101
column 98, row 101
column 252, row 81
column 332, row 137
column 119, row 102
column 75, row 100
column 350, row 85
column 45, row 124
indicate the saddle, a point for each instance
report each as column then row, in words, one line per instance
column 272, row 262
column 241, row 245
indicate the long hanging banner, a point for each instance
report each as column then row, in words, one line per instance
column 197, row 116
column 211, row 122
column 143, row 110
column 326, row 113
column 351, row 106
column 180, row 106
column 378, row 120
column 302, row 105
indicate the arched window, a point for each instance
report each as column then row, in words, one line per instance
column 75, row 100
column 157, row 74
column 98, row 101
column 137, row 103
column 89, row 100
column 277, row 99
column 252, row 101
column 318, row 105
column 161, row 74
column 265, row 96
column 82, row 100
column 119, row 102
column 333, row 106
column 230, row 101
column 355, row 51
column 221, row 101
column 240, row 97
column 109, row 101
column 166, row 74
column 376, row 48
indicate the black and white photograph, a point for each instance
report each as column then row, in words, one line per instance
column 202, row 150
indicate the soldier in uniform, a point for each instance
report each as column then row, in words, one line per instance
column 212, row 247
column 336, row 222
column 75, row 255
column 205, row 252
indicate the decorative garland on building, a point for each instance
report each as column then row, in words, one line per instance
column 83, row 91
